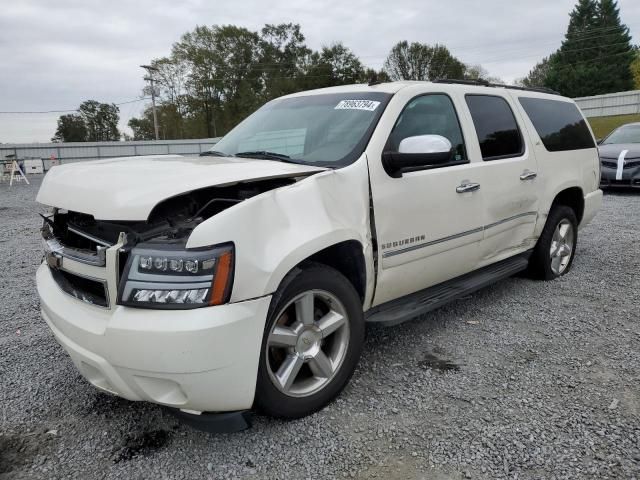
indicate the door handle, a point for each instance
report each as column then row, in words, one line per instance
column 528, row 175
column 467, row 187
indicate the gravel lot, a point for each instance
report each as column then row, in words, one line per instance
column 521, row 380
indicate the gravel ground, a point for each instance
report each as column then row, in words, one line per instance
column 521, row 380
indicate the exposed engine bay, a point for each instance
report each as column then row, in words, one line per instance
column 170, row 221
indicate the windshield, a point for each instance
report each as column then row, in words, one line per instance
column 626, row 134
column 325, row 129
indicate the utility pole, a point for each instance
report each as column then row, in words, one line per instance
column 150, row 69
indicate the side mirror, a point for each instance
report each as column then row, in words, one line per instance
column 421, row 151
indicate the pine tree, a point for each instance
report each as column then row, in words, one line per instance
column 616, row 51
column 596, row 54
column 635, row 71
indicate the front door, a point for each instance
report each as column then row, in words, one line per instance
column 428, row 222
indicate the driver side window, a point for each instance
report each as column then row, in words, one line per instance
column 431, row 114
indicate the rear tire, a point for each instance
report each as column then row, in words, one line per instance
column 556, row 247
column 312, row 342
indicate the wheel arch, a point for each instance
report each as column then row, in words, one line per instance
column 346, row 256
column 572, row 197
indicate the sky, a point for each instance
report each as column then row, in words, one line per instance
column 55, row 55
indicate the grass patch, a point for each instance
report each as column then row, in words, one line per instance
column 603, row 126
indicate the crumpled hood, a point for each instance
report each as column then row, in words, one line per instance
column 128, row 188
column 613, row 150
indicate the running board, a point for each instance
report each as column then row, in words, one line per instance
column 418, row 303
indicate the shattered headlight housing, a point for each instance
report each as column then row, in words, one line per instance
column 169, row 277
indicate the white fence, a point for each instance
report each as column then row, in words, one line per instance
column 79, row 151
column 622, row 103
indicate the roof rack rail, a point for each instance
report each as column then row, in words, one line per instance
column 485, row 83
column 477, row 81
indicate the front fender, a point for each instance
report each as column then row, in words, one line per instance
column 276, row 230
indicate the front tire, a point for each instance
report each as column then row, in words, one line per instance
column 311, row 344
column 556, row 247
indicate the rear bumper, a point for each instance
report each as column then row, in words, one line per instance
column 204, row 359
column 592, row 203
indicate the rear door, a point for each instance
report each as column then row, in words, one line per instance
column 428, row 231
column 508, row 174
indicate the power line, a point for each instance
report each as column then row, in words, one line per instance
column 583, row 36
column 591, row 60
column 575, row 50
column 253, row 67
column 73, row 110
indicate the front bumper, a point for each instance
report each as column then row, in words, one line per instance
column 626, row 177
column 205, row 359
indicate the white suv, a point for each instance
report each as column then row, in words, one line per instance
column 245, row 277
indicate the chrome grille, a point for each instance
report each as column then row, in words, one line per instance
column 627, row 164
column 632, row 164
column 90, row 256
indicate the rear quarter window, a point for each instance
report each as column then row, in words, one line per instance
column 560, row 125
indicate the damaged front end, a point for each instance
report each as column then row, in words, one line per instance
column 150, row 264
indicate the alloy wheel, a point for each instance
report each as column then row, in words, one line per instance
column 561, row 246
column 307, row 343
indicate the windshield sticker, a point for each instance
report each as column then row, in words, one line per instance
column 368, row 105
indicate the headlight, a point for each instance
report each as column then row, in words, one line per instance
column 171, row 278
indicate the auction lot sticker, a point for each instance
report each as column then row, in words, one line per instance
column 369, row 105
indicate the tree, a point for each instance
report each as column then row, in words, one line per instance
column 537, row 76
column 171, row 123
column 635, row 70
column 478, row 72
column 596, row 54
column 71, row 128
column 94, row 122
column 215, row 76
column 283, row 58
column 221, row 79
column 417, row 61
column 375, row 76
column 101, row 121
column 142, row 128
column 333, row 65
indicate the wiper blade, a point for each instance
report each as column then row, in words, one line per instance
column 264, row 154
column 214, row 153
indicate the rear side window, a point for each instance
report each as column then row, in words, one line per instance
column 496, row 127
column 560, row 125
